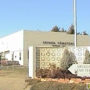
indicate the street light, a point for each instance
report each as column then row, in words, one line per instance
column 75, row 21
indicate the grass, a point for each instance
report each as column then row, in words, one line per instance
column 50, row 85
column 37, row 84
column 32, row 81
column 9, row 70
column 57, row 86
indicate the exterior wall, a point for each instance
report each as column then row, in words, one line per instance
column 47, row 55
column 79, row 52
column 41, row 56
column 83, row 40
column 32, row 61
column 36, row 38
column 12, row 44
column 20, row 42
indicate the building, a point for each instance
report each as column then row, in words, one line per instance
column 16, row 46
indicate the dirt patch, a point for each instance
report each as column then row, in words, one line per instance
column 11, row 83
column 13, row 80
column 18, row 80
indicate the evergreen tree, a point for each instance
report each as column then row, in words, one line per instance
column 55, row 29
column 71, row 30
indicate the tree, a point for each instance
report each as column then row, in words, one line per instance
column 55, row 29
column 87, row 57
column 78, row 33
column 71, row 30
column 84, row 33
column 62, row 30
column 68, row 58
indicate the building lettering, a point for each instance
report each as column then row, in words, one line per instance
column 58, row 43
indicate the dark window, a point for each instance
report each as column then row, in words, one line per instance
column 28, row 54
column 20, row 56
column 13, row 56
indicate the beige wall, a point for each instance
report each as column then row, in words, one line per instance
column 36, row 38
column 21, row 40
column 83, row 40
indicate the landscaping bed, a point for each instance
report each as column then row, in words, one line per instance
column 42, row 84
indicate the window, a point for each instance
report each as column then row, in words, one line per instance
column 28, row 54
column 13, row 56
column 19, row 55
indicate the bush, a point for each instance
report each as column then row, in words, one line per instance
column 43, row 73
column 57, row 73
column 8, row 63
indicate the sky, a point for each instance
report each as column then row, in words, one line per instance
column 42, row 15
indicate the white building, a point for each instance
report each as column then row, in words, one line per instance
column 11, row 46
column 16, row 46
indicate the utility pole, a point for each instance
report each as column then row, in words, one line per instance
column 75, row 21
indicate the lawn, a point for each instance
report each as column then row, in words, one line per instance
column 13, row 79
column 17, row 79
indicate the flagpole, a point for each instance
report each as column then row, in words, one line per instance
column 75, row 22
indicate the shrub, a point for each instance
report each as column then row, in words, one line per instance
column 46, row 72
column 57, row 73
column 42, row 73
column 52, row 70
